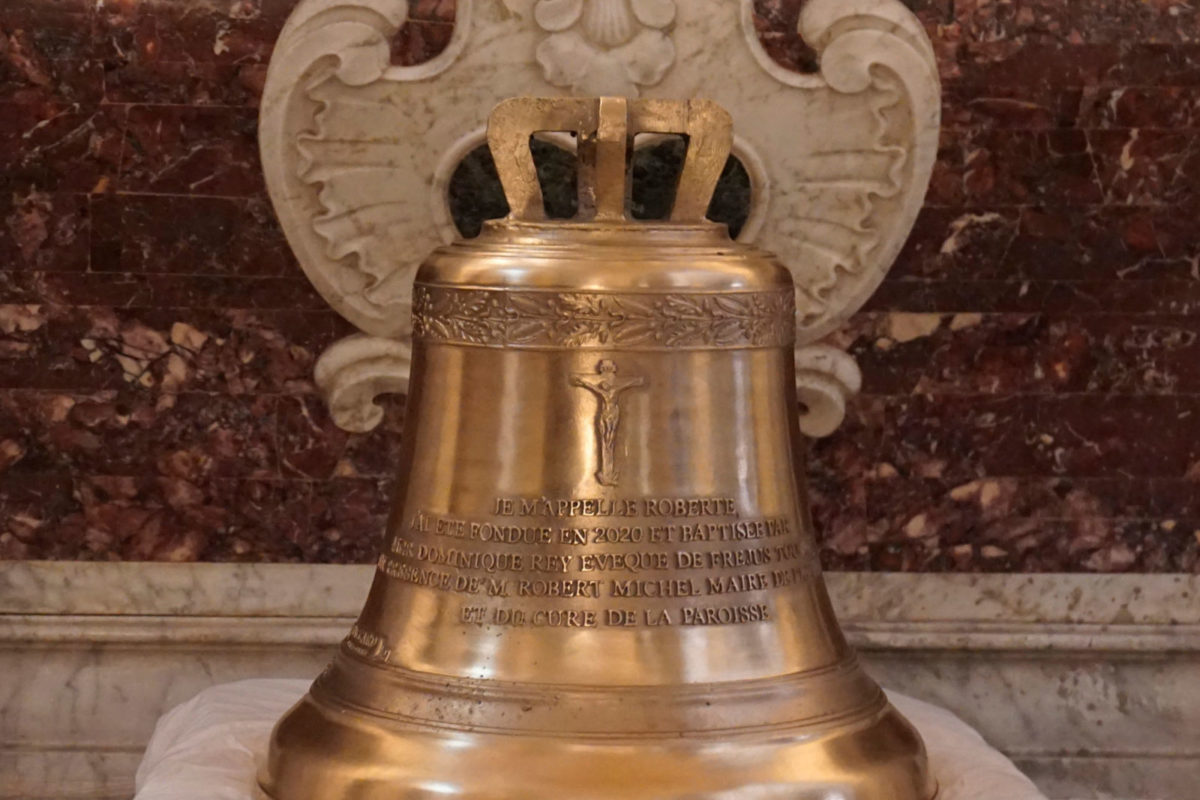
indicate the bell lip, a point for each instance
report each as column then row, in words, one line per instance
column 890, row 761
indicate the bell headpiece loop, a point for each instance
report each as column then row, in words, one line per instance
column 605, row 128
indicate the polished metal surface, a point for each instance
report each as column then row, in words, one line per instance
column 599, row 577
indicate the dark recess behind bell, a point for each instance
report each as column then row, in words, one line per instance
column 476, row 194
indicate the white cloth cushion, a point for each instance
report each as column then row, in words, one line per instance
column 210, row 747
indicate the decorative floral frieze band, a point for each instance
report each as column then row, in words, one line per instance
column 547, row 319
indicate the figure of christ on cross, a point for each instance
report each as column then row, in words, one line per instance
column 608, row 388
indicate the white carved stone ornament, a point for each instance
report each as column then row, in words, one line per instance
column 358, row 153
column 605, row 47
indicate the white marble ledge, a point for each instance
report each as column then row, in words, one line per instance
column 1087, row 681
column 293, row 590
column 129, row 602
column 154, row 589
column 1068, row 599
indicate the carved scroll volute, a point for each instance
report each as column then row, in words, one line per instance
column 826, row 378
column 856, row 205
column 354, row 372
column 354, row 256
column 358, row 153
column 329, row 43
column 865, row 45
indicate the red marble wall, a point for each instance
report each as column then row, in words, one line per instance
column 1032, row 370
column 1033, row 361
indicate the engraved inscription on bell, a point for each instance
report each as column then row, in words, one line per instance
column 696, row 558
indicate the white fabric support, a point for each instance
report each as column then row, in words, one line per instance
column 210, row 747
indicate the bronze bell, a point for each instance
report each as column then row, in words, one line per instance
column 599, row 578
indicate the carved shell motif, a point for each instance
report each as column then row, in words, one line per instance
column 358, row 152
column 605, row 47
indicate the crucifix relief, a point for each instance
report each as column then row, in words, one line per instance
column 608, row 388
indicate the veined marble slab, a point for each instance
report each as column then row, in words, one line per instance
column 1089, row 682
column 196, row 590
column 297, row 590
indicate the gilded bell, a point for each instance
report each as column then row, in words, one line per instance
column 599, row 578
